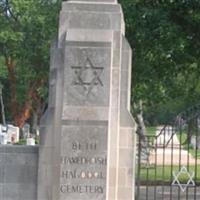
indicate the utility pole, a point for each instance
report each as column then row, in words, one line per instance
column 2, row 106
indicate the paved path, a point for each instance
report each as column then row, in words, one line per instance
column 166, row 153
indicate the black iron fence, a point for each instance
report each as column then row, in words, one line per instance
column 168, row 163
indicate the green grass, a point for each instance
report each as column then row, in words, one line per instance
column 151, row 130
column 23, row 141
column 182, row 138
column 165, row 174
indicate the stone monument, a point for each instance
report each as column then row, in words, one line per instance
column 88, row 133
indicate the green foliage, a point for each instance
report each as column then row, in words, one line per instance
column 165, row 37
column 151, row 130
column 21, row 142
column 3, row 70
column 26, row 31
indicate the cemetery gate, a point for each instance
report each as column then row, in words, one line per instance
column 168, row 162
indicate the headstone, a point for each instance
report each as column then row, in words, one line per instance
column 12, row 134
column 87, row 133
column 30, row 141
column 26, row 130
column 3, row 134
column 193, row 141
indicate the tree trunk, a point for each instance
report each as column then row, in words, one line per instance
column 192, row 128
column 138, row 115
column 141, row 131
column 2, row 109
column 34, row 122
column 12, row 81
column 20, row 114
column 27, row 109
column 25, row 115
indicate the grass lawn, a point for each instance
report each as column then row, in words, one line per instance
column 182, row 138
column 164, row 174
column 151, row 130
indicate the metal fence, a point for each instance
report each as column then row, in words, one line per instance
column 168, row 163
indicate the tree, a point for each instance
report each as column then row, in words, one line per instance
column 26, row 31
column 165, row 37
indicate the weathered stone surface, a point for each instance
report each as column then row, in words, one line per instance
column 87, row 133
column 18, row 172
column 91, row 7
column 87, row 78
column 84, row 161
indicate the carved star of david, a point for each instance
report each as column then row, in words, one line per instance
column 190, row 181
column 87, row 76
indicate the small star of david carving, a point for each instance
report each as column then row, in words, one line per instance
column 87, row 76
column 177, row 175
